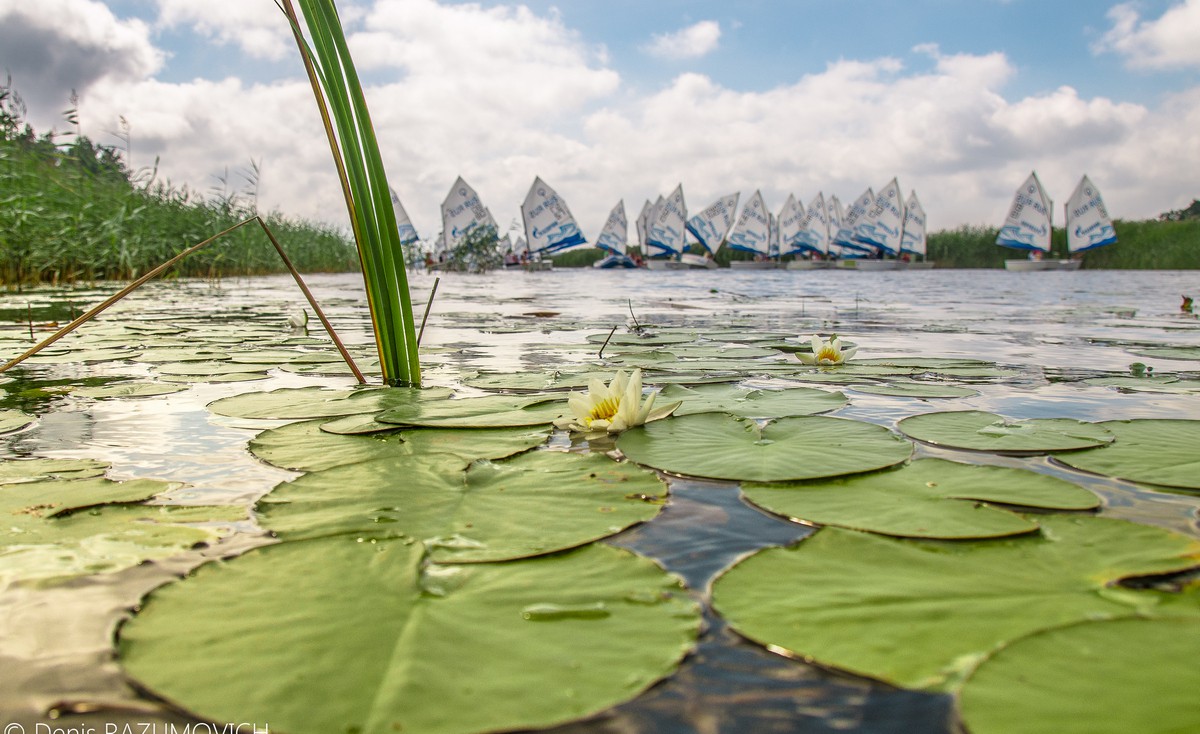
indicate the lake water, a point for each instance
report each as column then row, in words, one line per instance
column 1050, row 331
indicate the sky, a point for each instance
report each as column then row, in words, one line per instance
column 621, row 100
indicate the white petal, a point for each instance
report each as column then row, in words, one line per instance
column 846, row 355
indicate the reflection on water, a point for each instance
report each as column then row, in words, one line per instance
column 1052, row 329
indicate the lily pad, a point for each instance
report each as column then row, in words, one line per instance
column 36, row 470
column 201, row 369
column 490, row 411
column 917, row 390
column 980, row 431
column 305, row 446
column 1168, row 352
column 1153, row 450
column 928, row 498
column 923, row 613
column 535, row 503
column 221, row 378
column 387, row 644
column 15, row 420
column 719, row 446
column 751, row 403
column 1052, row 681
column 128, row 390
column 929, row 363
column 166, row 355
column 315, row 402
column 655, row 340
column 528, row 381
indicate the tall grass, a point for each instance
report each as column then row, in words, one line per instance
column 73, row 211
column 1141, row 245
column 351, row 136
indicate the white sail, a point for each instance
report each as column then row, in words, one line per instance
column 549, row 225
column 752, row 232
column 882, row 226
column 666, row 227
column 641, row 224
column 791, row 223
column 833, row 208
column 712, row 225
column 814, row 228
column 616, row 227
column 913, row 241
column 462, row 212
column 1028, row 224
column 404, row 225
column 1087, row 222
column 844, row 236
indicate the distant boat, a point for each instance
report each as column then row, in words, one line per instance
column 752, row 233
column 1028, row 226
column 913, row 243
column 1088, row 223
column 790, row 223
column 813, row 238
column 882, row 227
column 612, row 240
column 710, row 227
column 843, row 236
column 550, row 227
column 462, row 212
column 666, row 229
column 404, row 225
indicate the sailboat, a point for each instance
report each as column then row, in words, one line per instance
column 710, row 227
column 843, row 236
column 881, row 228
column 813, row 238
column 462, row 213
column 752, row 233
column 549, row 225
column 1028, row 227
column 665, row 231
column 1088, row 223
column 913, row 243
column 790, row 221
column 612, row 240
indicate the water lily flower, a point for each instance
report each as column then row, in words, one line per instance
column 826, row 353
column 614, row 407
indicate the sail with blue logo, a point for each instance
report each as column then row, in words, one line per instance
column 712, row 225
column 404, row 225
column 882, row 226
column 1088, row 223
column 666, row 227
column 834, row 215
column 462, row 212
column 1028, row 224
column 791, row 223
column 643, row 226
column 814, row 228
column 913, row 241
column 549, row 225
column 752, row 232
column 844, row 235
column 616, row 227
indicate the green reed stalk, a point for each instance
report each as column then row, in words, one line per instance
column 356, row 152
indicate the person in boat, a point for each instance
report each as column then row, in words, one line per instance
column 1035, row 255
column 1186, row 306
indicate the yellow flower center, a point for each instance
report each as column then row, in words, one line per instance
column 829, row 353
column 604, row 410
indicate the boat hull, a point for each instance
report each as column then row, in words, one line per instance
column 919, row 265
column 665, row 265
column 697, row 261
column 809, row 264
column 864, row 265
column 754, row 265
column 615, row 262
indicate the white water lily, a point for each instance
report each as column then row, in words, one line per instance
column 826, row 353
column 614, row 407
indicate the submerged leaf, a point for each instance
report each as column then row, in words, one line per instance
column 977, row 430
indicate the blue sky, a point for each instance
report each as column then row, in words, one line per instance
column 622, row 99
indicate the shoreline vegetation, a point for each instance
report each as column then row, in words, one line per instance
column 71, row 211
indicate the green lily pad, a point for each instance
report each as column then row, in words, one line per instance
column 917, row 390
column 128, row 390
column 47, row 498
column 929, row 363
column 535, row 503
column 76, row 356
column 529, row 381
column 490, row 411
column 923, row 613
column 928, row 498
column 201, row 369
column 316, row 402
column 386, row 644
column 751, row 403
column 167, row 355
column 1091, row 677
column 36, row 470
column 1167, row 352
column 719, row 446
column 221, row 378
column 706, row 351
column 306, row 446
column 649, row 340
column 1153, row 450
column 14, row 420
column 979, row 431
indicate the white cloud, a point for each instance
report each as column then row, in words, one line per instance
column 689, row 43
column 1171, row 41
column 258, row 28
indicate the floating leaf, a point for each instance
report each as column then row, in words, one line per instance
column 166, row 355
column 723, row 447
column 127, row 390
column 1092, row 677
column 222, row 378
column 750, row 402
column 980, row 431
column 922, row 614
column 36, row 470
column 528, row 381
column 387, row 644
column 315, row 402
column 651, row 340
column 534, row 503
column 201, row 369
column 305, row 446
column 15, row 420
column 491, row 411
column 916, row 390
column 1153, row 450
column 928, row 498
column 929, row 363
column 1167, row 352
